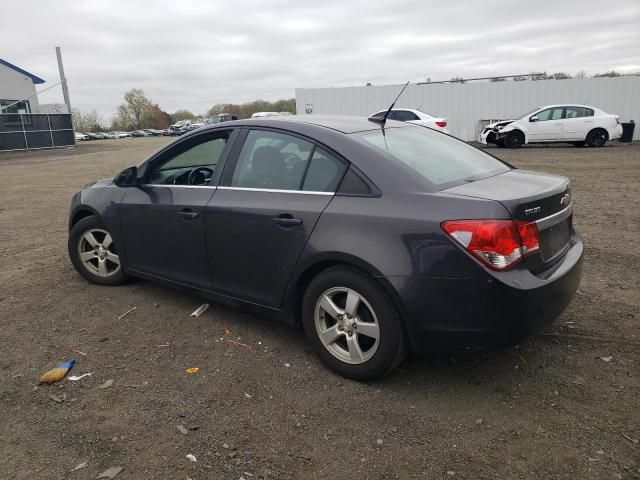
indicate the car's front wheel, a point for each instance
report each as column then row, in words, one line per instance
column 352, row 324
column 94, row 253
column 514, row 139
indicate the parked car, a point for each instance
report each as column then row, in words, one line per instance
column 153, row 132
column 81, row 136
column 415, row 116
column 109, row 135
column 575, row 124
column 221, row 117
column 96, row 136
column 122, row 134
column 140, row 133
column 265, row 114
column 378, row 240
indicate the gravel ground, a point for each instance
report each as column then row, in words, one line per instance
column 551, row 408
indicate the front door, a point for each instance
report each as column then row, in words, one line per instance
column 258, row 222
column 163, row 219
column 547, row 127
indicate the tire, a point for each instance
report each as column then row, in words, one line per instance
column 578, row 144
column 346, row 350
column 94, row 254
column 514, row 139
column 597, row 137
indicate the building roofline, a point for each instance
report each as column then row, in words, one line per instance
column 35, row 79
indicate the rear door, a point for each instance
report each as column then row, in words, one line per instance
column 163, row 219
column 547, row 127
column 273, row 192
column 577, row 122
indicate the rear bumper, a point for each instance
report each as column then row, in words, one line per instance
column 489, row 310
column 617, row 132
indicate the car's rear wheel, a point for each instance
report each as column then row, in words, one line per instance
column 352, row 324
column 597, row 137
column 94, row 253
column 514, row 139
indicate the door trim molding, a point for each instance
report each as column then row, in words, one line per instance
column 274, row 190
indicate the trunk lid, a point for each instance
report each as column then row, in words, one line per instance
column 535, row 197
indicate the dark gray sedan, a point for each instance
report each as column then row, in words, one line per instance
column 378, row 240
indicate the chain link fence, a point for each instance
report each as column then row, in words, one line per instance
column 31, row 131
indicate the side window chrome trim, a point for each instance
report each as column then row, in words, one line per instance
column 178, row 186
column 274, row 190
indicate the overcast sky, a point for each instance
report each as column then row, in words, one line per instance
column 194, row 54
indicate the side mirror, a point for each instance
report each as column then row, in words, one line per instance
column 534, row 118
column 127, row 177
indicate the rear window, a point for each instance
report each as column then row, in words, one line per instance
column 443, row 160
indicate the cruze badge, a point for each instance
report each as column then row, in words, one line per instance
column 531, row 211
column 566, row 199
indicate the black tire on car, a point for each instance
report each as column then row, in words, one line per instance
column 343, row 311
column 514, row 139
column 94, row 253
column 597, row 137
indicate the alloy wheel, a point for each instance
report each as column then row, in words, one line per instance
column 347, row 325
column 97, row 253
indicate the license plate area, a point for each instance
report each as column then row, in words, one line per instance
column 554, row 239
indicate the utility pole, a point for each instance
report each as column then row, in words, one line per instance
column 63, row 80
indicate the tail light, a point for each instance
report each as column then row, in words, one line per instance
column 441, row 123
column 499, row 244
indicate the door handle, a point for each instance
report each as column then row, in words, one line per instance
column 188, row 214
column 286, row 220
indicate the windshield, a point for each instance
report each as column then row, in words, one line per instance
column 529, row 112
column 442, row 160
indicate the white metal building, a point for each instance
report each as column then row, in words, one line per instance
column 467, row 105
column 18, row 84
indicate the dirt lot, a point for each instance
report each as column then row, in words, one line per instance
column 551, row 408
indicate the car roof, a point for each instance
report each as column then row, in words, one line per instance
column 341, row 123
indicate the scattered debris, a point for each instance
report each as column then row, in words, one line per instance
column 239, row 344
column 107, row 384
column 193, row 370
column 579, row 380
column 58, row 373
column 110, row 473
column 631, row 439
column 56, row 398
column 182, row 430
column 75, row 378
column 479, row 421
column 247, row 395
column 162, row 345
column 200, row 310
column 156, row 305
column 191, row 457
column 287, row 365
column 607, row 359
column 126, row 313
column 77, row 350
column 225, row 445
column 226, row 330
column 379, row 441
column 80, row 466
column 451, row 472
column 103, row 339
column 17, row 375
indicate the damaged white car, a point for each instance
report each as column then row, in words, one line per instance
column 575, row 124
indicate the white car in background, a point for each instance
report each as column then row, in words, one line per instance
column 575, row 124
column 81, row 136
column 415, row 116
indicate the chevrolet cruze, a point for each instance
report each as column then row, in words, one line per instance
column 379, row 239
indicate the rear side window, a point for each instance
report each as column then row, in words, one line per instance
column 324, row 173
column 442, row 160
column 403, row 115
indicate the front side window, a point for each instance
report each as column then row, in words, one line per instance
column 194, row 166
column 550, row 114
column 442, row 160
column 272, row 160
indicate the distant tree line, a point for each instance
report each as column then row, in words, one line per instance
column 138, row 112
